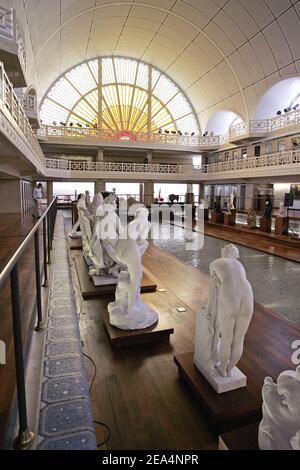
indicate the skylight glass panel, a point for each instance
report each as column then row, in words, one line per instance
column 155, row 76
column 179, row 106
column 82, row 79
column 125, row 97
column 93, row 65
column 142, row 76
column 63, row 93
column 165, row 89
column 125, row 70
column 187, row 124
column 52, row 112
column 108, row 74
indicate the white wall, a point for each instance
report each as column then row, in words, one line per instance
column 277, row 98
column 167, row 189
column 129, row 189
column 61, row 189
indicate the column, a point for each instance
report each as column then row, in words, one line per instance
column 149, row 156
column 142, row 193
column 201, row 192
column 99, row 186
column 100, row 155
column 49, row 192
column 148, row 193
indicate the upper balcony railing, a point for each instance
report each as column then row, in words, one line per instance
column 283, row 162
column 10, row 31
column 14, row 112
column 96, row 135
column 243, row 130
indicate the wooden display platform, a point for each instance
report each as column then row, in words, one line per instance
column 89, row 291
column 265, row 224
column 245, row 438
column 281, row 225
column 217, row 217
column 224, row 411
column 161, row 331
column 229, row 219
column 75, row 243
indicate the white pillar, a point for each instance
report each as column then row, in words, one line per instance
column 149, row 156
column 148, row 193
column 100, row 155
column 49, row 192
column 99, row 186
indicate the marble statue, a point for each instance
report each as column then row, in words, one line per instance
column 232, row 201
column 140, row 226
column 106, row 233
column 251, row 218
column 222, row 325
column 280, row 426
column 282, row 210
column 204, row 203
column 229, row 204
column 84, row 218
column 128, row 312
column 87, row 199
column 97, row 201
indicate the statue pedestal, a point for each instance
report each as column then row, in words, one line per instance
column 206, row 214
column 217, row 217
column 225, row 411
column 281, row 224
column 106, row 280
column 90, row 291
column 265, row 224
column 229, row 219
column 161, row 331
column 223, row 384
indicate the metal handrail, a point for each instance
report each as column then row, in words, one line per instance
column 25, row 437
column 4, row 275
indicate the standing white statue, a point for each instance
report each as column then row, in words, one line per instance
column 282, row 210
column 222, row 325
column 280, row 426
column 84, row 217
column 97, row 201
column 204, row 203
column 107, row 230
column 128, row 312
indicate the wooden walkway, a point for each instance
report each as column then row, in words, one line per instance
column 138, row 392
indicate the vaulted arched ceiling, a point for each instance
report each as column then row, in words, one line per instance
column 224, row 54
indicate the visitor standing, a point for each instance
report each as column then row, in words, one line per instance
column 37, row 197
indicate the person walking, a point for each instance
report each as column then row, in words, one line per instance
column 37, row 197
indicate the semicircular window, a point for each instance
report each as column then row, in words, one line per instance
column 118, row 94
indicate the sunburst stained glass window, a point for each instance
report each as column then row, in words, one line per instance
column 118, row 94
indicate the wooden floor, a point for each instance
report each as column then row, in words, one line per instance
column 13, row 230
column 288, row 249
column 137, row 391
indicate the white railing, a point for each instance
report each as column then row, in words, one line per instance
column 256, row 128
column 10, row 30
column 280, row 160
column 29, row 102
column 13, row 110
column 105, row 135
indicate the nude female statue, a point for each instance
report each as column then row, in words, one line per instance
column 226, row 318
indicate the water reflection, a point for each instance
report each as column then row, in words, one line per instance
column 275, row 281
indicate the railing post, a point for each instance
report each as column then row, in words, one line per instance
column 25, row 437
column 40, row 325
column 45, row 253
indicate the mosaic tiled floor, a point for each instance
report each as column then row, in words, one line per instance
column 65, row 421
column 275, row 281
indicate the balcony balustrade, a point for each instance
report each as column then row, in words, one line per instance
column 12, row 47
column 15, row 125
